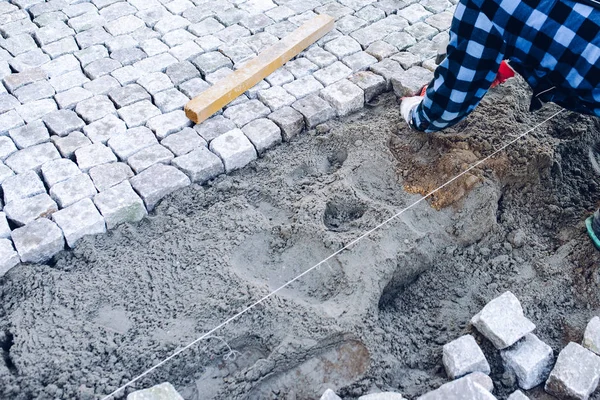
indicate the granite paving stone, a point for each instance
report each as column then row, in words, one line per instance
column 16, row 80
column 421, row 31
column 170, row 100
column 178, row 37
column 78, row 220
column 518, row 395
column 360, row 61
column 263, row 133
column 344, row 96
column 102, row 85
column 372, row 84
column 26, row 184
column 29, row 209
column 530, row 360
column 32, row 158
column 108, row 175
column 276, row 97
column 214, row 78
column 35, row 110
column 101, row 67
column 184, row 141
column 155, row 82
column 86, row 21
column 319, row 56
column 411, row 81
column 9, row 258
column 414, row 13
column 69, row 80
column 246, row 112
column 5, row 173
column 200, row 165
column 303, row 87
column 464, row 356
column 52, row 33
column 38, row 241
column 10, row 120
column 171, row 23
column 125, row 24
column 193, row 87
column 127, row 95
column 68, row 144
column 232, row 33
column 90, row 54
column 181, row 72
column 252, row 93
column 149, row 156
column 138, row 113
column 93, row 155
column 165, row 124
column 186, row 51
column 315, row 110
column 301, row 67
column 290, row 121
column 125, row 76
column 157, row 63
column 4, row 228
column 158, row 181
column 210, row 62
column 333, row 73
column 95, row 108
column 31, row 59
column 575, row 374
column 72, row 97
column 7, row 147
column 371, row 14
column 591, row 336
column 406, row 60
column 18, row 44
column 234, row 149
column 388, row 69
column 132, row 141
column 260, row 41
column 63, row 122
column 8, row 102
column 59, row 170
column 103, row 129
column 463, row 388
column 72, row 190
column 152, row 15
column 120, row 204
column 214, row 127
column 206, row 27
column 29, row 135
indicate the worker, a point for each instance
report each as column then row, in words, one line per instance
column 553, row 44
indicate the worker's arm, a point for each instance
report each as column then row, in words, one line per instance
column 474, row 54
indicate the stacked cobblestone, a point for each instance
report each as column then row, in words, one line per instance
column 92, row 96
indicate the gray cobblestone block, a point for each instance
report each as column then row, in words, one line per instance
column 92, row 155
column 177, row 37
column 166, row 124
column 91, row 37
column 38, row 241
column 343, row 46
column 170, row 100
column 29, row 209
column 138, row 113
column 16, row 80
column 414, row 13
column 200, row 165
column 171, row 23
column 8, row 102
column 370, row 83
column 344, row 96
column 143, row 159
column 76, row 10
column 9, row 258
column 120, row 204
column 101, row 85
column 117, row 10
column 441, row 21
column 333, row 73
column 280, row 77
column 69, row 80
column 50, row 18
column 54, row 5
column 63, row 122
column 214, row 77
column 121, row 42
column 380, row 29
column 421, row 31
column 90, row 54
column 5, row 173
column 518, row 395
column 234, row 149
column 210, row 62
column 230, row 16
column 387, row 69
column 575, row 374
column 371, row 14
column 18, row 27
column 591, row 337
column 333, row 34
column 303, row 87
column 101, row 67
column 200, row 13
column 301, row 67
column 125, row 75
column 463, row 356
column 349, row 24
column 86, row 21
column 530, row 360
column 193, row 87
column 7, row 147
column 70, row 98
column 232, row 33
column 242, row 98
column 155, row 82
column 186, row 51
column 411, row 81
column 4, row 228
column 214, row 127
column 290, row 121
column 106, row 176
column 7, row 8
column 68, row 144
column 181, row 72
column 463, row 388
column 125, row 25
column 406, row 59
column 100, row 4
column 360, row 61
column 18, row 44
column 31, row 59
column 183, row 142
column 59, row 170
column 260, row 41
column 334, row 9
column 502, row 321
column 26, row 184
column 9, row 120
column 276, row 98
column 330, row 395
column 382, row 396
column 153, row 47
column 303, row 6
column 127, row 95
column 400, row 40
column 237, row 52
column 246, row 112
column 256, row 23
column 257, row 6
column 103, row 129
column 151, row 16
column 32, row 158
column 425, row 49
column 158, row 181
column 72, row 190
column 132, row 141
column 208, row 26
column 429, row 64
column 281, row 29
column 95, row 108
column 79, row 220
column 252, row 93
column 128, row 56
column 29, row 135
column 52, row 33
column 263, row 133
column 320, row 57
column 157, row 63
column 314, row 109
column 61, row 47
column 280, row 13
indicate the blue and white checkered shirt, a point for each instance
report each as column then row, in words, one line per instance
column 553, row 44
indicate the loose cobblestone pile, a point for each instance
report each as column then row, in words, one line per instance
column 92, row 128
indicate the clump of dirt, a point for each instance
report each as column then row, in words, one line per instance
column 375, row 317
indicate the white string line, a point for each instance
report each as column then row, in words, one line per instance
column 364, row 235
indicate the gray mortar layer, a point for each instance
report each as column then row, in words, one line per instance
column 374, row 317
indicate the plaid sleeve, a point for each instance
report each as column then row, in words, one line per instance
column 474, row 54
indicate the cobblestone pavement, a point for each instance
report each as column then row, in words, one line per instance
column 92, row 128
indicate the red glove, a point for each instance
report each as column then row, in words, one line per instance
column 504, row 72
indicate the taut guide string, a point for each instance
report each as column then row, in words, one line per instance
column 352, row 243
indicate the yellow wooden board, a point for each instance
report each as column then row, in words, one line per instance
column 229, row 88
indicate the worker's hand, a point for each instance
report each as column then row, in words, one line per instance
column 407, row 106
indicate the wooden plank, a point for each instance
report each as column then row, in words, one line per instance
column 229, row 88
